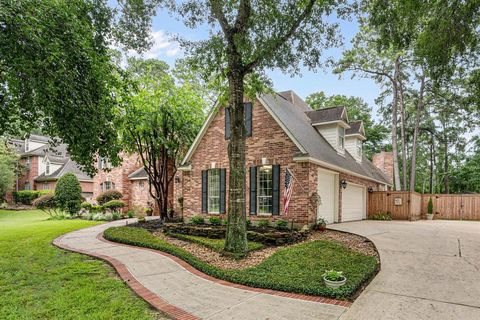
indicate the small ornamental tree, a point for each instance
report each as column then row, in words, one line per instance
column 430, row 206
column 68, row 194
column 47, row 204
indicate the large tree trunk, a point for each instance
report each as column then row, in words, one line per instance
column 402, row 124
column 432, row 157
column 236, row 237
column 446, row 179
column 418, row 115
column 396, row 173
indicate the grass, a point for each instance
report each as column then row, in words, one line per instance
column 214, row 244
column 297, row 268
column 40, row 281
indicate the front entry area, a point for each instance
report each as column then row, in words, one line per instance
column 353, row 203
column 328, row 192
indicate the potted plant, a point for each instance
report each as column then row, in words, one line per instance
column 430, row 209
column 321, row 224
column 334, row 279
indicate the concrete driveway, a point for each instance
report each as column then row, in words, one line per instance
column 430, row 270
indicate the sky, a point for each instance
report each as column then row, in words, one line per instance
column 165, row 48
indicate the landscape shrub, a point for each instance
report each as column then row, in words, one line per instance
column 115, row 216
column 114, row 205
column 86, row 205
column 109, row 195
column 97, row 209
column 281, row 224
column 68, row 194
column 26, row 197
column 215, row 221
column 430, row 206
column 130, row 214
column 263, row 223
column 47, row 204
column 197, row 220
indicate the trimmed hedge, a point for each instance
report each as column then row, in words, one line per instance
column 114, row 205
column 109, row 195
column 68, row 194
column 297, row 268
column 26, row 197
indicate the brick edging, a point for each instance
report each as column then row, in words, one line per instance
column 200, row 274
column 147, row 295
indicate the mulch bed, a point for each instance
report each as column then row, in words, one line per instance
column 351, row 241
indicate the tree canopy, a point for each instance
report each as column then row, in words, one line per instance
column 8, row 168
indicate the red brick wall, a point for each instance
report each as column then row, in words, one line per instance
column 268, row 141
column 384, row 162
column 29, row 174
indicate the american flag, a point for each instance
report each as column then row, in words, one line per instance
column 287, row 194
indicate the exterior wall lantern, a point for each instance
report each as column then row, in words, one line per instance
column 343, row 184
column 370, row 189
column 177, row 179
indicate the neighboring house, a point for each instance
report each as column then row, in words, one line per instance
column 321, row 148
column 45, row 163
column 129, row 178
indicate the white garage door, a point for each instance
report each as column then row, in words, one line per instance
column 326, row 191
column 353, row 203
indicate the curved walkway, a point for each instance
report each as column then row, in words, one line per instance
column 430, row 270
column 182, row 292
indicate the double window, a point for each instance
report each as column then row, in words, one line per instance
column 107, row 185
column 341, row 138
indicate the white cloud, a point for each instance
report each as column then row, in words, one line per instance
column 162, row 46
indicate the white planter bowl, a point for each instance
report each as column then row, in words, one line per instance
column 429, row 216
column 334, row 284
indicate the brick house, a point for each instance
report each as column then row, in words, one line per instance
column 320, row 148
column 44, row 163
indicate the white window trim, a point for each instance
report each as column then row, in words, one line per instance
column 258, row 191
column 341, row 137
column 210, row 171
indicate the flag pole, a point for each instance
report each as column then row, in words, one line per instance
column 301, row 186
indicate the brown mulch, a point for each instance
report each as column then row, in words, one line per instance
column 354, row 242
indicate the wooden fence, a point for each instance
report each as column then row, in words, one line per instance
column 405, row 205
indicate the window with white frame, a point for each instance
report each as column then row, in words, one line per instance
column 341, row 137
column 45, row 186
column 107, row 185
column 265, row 189
column 27, row 186
column 27, row 145
column 214, row 190
column 359, row 148
column 47, row 168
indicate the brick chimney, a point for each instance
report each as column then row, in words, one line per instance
column 384, row 162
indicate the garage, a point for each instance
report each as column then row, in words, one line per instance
column 353, row 203
column 328, row 192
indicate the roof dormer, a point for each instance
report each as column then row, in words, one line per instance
column 332, row 124
column 354, row 137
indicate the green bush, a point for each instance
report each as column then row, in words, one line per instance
column 249, row 223
column 430, row 206
column 86, row 205
column 115, row 216
column 384, row 216
column 97, row 209
column 281, row 224
column 131, row 214
column 114, row 205
column 26, row 197
column 264, row 223
column 197, row 220
column 68, row 194
column 109, row 195
column 215, row 221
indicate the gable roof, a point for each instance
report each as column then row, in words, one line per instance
column 69, row 167
column 297, row 124
column 139, row 174
column 328, row 115
column 294, row 99
column 356, row 127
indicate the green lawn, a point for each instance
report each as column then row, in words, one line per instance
column 214, row 244
column 40, row 281
column 298, row 268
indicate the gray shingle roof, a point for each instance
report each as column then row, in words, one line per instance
column 69, row 167
column 355, row 127
column 138, row 174
column 327, row 115
column 295, row 100
column 298, row 125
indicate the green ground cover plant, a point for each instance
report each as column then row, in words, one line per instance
column 298, row 268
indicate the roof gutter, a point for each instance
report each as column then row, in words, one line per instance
column 336, row 168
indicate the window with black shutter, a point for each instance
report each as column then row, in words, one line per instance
column 253, row 190
column 276, row 190
column 204, row 191
column 248, row 120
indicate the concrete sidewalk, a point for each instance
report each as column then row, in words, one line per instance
column 165, row 283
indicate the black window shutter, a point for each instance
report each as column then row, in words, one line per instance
column 253, row 190
column 227, row 123
column 223, row 188
column 276, row 190
column 247, row 109
column 205, row 191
